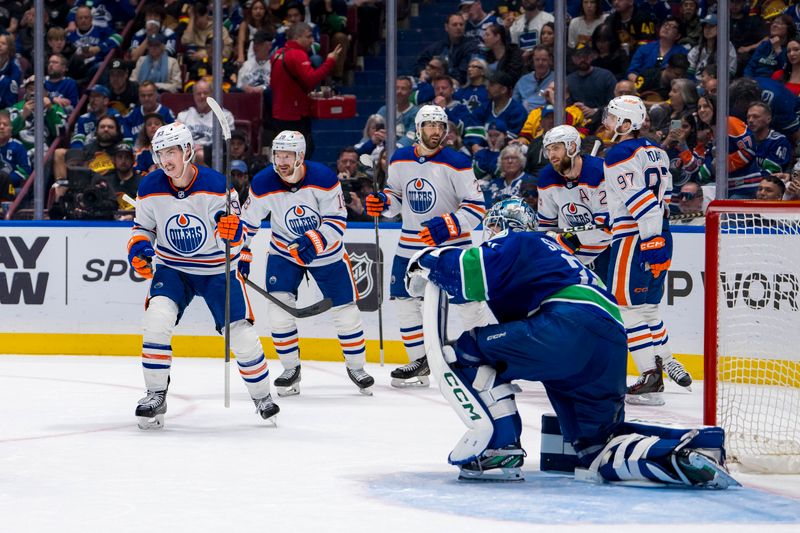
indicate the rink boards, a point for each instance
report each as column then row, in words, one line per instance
column 66, row 288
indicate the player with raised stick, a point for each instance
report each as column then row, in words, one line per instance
column 572, row 193
column 308, row 220
column 178, row 239
column 435, row 190
column 556, row 324
column 639, row 186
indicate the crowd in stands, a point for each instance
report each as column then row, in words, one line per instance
column 491, row 69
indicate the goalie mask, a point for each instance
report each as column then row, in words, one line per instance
column 175, row 134
column 289, row 141
column 511, row 214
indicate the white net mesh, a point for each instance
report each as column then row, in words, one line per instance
column 758, row 338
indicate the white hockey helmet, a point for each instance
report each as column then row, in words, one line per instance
column 430, row 113
column 622, row 108
column 175, row 134
column 290, row 141
column 512, row 214
column 564, row 134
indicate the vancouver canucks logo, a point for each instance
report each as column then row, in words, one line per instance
column 420, row 195
column 185, row 233
column 301, row 218
column 576, row 214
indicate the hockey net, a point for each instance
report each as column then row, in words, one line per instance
column 752, row 331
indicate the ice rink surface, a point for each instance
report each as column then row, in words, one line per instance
column 73, row 460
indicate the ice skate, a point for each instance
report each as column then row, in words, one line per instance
column 648, row 389
column 363, row 381
column 150, row 410
column 267, row 409
column 288, row 383
column 414, row 374
column 496, row 465
column 703, row 471
column 677, row 373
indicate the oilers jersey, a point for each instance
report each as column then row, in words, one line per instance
column 423, row 187
column 639, row 189
column 567, row 203
column 315, row 203
column 518, row 273
column 181, row 223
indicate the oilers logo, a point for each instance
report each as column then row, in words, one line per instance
column 576, row 214
column 420, row 195
column 185, row 233
column 301, row 218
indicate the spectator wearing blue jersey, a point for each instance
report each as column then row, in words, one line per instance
column 91, row 42
column 13, row 156
column 656, row 54
column 485, row 161
column 86, row 123
column 529, row 90
column 511, row 174
column 10, row 73
column 474, row 93
column 154, row 25
column 773, row 150
column 148, row 103
column 143, row 152
column 105, row 13
column 477, row 19
column 61, row 89
column 783, row 104
column 770, row 55
column 499, row 106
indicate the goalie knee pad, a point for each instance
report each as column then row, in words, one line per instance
column 347, row 319
column 409, row 317
column 284, row 330
column 159, row 323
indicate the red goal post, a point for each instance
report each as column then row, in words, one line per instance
column 752, row 331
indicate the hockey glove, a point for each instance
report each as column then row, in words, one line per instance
column 245, row 258
column 569, row 241
column 377, row 202
column 307, row 247
column 230, row 228
column 655, row 255
column 140, row 253
column 440, row 229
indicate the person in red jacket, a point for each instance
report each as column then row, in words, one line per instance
column 293, row 77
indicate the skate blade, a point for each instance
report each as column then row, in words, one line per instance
column 687, row 387
column 366, row 391
column 283, row 392
column 147, row 424
column 722, row 479
column 271, row 421
column 648, row 398
column 419, row 381
column 495, row 475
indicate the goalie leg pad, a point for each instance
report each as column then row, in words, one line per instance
column 284, row 330
column 347, row 319
column 250, row 358
column 159, row 323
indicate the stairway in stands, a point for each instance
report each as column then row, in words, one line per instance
column 369, row 85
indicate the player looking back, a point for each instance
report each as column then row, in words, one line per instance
column 178, row 240
column 572, row 192
column 557, row 325
column 435, row 189
column 639, row 186
column 308, row 222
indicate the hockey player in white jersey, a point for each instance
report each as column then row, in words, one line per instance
column 435, row 190
column 572, row 193
column 639, row 186
column 178, row 240
column 308, row 222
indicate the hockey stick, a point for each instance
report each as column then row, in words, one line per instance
column 587, row 227
column 366, row 160
column 595, row 148
column 304, row 312
column 226, row 136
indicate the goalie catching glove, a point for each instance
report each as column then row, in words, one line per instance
column 308, row 246
column 655, row 254
column 440, row 229
column 140, row 254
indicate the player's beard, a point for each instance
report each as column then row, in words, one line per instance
column 428, row 145
column 564, row 166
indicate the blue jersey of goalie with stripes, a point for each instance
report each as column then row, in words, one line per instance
column 518, row 274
